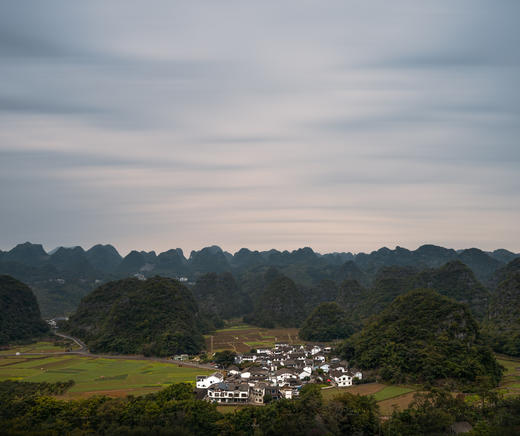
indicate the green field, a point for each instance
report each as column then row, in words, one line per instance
column 380, row 391
column 510, row 384
column 116, row 377
column 42, row 347
column 391, row 392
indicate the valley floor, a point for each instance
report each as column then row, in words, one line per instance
column 93, row 375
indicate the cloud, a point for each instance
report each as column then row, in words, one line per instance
column 344, row 125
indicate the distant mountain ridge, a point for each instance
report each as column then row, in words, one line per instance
column 61, row 278
column 213, row 259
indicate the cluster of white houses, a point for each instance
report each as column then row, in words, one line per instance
column 275, row 373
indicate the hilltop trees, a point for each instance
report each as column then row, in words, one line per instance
column 158, row 316
column 281, row 304
column 20, row 317
column 423, row 336
column 503, row 323
column 326, row 323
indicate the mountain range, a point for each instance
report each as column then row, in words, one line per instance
column 62, row 277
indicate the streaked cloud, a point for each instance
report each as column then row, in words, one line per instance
column 343, row 125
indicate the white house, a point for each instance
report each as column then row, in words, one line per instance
column 315, row 350
column 205, row 381
column 228, row 392
column 286, row 392
column 305, row 373
column 248, row 357
column 343, row 379
column 325, row 367
column 233, row 370
column 285, row 374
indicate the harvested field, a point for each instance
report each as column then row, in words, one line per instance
column 242, row 338
column 401, row 402
column 387, row 396
column 366, row 389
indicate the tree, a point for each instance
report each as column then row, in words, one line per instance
column 224, row 358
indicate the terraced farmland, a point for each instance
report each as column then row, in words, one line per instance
column 242, row 338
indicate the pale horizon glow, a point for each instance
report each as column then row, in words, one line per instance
column 338, row 125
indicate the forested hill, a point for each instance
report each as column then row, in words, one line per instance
column 61, row 277
column 454, row 279
column 503, row 323
column 20, row 317
column 423, row 336
column 158, row 316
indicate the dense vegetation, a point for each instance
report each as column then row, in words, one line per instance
column 281, row 304
column 457, row 281
column 503, row 323
column 158, row 316
column 63, row 276
column 326, row 323
column 423, row 336
column 219, row 294
column 454, row 280
column 174, row 411
column 13, row 388
column 20, row 317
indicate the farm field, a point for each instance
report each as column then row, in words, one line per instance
column 401, row 402
column 42, row 347
column 385, row 395
column 94, row 375
column 391, row 392
column 510, row 384
column 242, row 338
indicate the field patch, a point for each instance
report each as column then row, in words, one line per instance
column 242, row 338
column 42, row 347
column 510, row 383
column 391, row 392
column 94, row 375
column 387, row 396
column 365, row 389
column 401, row 402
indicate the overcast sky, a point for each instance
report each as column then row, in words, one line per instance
column 340, row 125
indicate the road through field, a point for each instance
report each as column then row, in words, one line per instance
column 83, row 351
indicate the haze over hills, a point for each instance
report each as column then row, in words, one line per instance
column 61, row 278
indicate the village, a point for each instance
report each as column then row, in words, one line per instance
column 272, row 374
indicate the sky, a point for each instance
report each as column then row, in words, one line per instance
column 340, row 125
